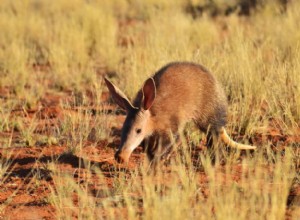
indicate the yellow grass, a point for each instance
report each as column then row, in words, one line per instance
column 57, row 46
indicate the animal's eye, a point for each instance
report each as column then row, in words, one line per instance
column 138, row 130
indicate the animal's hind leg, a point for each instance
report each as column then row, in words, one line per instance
column 210, row 144
column 209, row 140
column 212, row 137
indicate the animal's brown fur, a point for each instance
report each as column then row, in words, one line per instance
column 186, row 91
column 183, row 92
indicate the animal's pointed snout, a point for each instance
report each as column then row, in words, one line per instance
column 121, row 157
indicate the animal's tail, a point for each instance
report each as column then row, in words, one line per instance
column 227, row 140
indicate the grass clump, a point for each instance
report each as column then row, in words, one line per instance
column 54, row 54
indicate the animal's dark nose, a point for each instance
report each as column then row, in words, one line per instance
column 122, row 156
column 118, row 158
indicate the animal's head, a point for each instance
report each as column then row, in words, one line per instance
column 137, row 124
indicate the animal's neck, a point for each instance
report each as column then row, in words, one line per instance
column 159, row 124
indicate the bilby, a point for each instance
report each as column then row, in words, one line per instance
column 176, row 94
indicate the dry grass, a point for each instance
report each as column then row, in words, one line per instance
column 64, row 48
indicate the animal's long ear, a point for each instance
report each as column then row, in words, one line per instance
column 149, row 93
column 119, row 97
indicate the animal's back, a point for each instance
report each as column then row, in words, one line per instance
column 187, row 91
